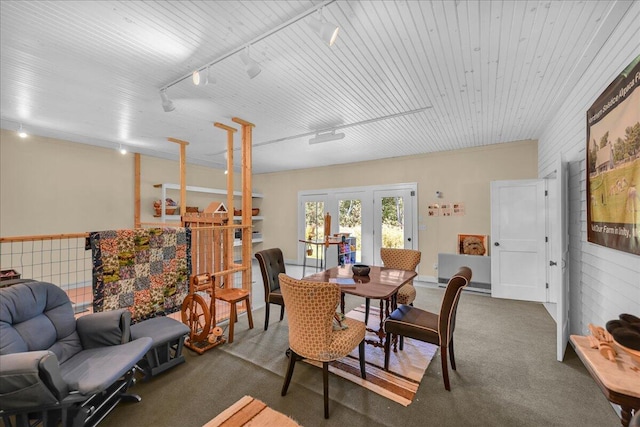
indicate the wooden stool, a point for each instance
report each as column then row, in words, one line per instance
column 234, row 296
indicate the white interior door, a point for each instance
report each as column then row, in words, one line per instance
column 559, row 267
column 518, row 226
column 393, row 220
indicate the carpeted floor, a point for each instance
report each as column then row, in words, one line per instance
column 507, row 376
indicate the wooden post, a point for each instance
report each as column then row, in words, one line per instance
column 183, row 174
column 247, row 232
column 136, row 205
column 229, row 237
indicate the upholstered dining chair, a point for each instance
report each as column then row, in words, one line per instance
column 402, row 259
column 412, row 322
column 271, row 265
column 311, row 307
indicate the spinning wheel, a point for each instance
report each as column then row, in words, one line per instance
column 200, row 316
column 196, row 315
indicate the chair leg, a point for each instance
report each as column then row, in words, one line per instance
column 281, row 312
column 287, row 379
column 445, row 370
column 233, row 318
column 451, row 356
column 367, row 304
column 325, row 386
column 249, row 313
column 363, row 373
column 266, row 316
column 401, row 342
column 387, row 350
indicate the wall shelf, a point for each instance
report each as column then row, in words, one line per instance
column 171, row 186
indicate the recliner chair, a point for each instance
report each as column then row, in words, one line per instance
column 55, row 368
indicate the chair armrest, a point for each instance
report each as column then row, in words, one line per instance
column 105, row 328
column 30, row 379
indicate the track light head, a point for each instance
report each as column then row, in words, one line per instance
column 326, row 137
column 251, row 66
column 201, row 78
column 21, row 132
column 167, row 104
column 327, row 31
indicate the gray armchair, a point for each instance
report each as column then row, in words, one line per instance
column 55, row 368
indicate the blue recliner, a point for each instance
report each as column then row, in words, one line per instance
column 55, row 368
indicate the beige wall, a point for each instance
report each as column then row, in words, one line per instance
column 49, row 186
column 461, row 176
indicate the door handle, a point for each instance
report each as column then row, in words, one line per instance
column 408, row 239
column 552, row 263
column 496, row 244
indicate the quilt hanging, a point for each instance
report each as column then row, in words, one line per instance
column 144, row 270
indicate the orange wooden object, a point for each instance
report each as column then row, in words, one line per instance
column 234, row 296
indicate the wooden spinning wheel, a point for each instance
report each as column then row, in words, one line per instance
column 197, row 316
column 200, row 316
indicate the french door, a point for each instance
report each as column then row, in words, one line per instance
column 378, row 216
column 393, row 220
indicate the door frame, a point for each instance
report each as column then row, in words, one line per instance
column 331, row 197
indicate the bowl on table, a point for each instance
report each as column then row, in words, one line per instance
column 360, row 269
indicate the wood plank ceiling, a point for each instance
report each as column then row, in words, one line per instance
column 403, row 78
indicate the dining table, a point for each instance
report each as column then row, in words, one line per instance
column 381, row 283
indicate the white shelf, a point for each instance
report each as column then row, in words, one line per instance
column 170, row 186
column 236, row 218
column 238, row 242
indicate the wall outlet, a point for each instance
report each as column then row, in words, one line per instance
column 435, row 265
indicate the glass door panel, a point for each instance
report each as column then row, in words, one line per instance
column 350, row 222
column 314, row 231
column 393, row 220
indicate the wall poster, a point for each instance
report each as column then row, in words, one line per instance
column 613, row 164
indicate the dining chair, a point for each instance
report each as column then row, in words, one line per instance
column 311, row 309
column 271, row 265
column 412, row 322
column 402, row 259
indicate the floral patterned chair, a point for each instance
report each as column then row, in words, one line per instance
column 402, row 259
column 311, row 309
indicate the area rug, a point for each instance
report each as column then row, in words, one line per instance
column 406, row 367
column 251, row 412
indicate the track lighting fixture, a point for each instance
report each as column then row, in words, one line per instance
column 167, row 104
column 327, row 31
column 21, row 132
column 202, row 79
column 326, row 137
column 251, row 66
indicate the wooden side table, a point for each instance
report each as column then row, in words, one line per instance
column 233, row 296
column 619, row 380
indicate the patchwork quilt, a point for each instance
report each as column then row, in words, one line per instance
column 144, row 270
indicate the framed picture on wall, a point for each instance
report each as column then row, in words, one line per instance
column 613, row 164
column 473, row 244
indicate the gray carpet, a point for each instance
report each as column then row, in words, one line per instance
column 507, row 376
